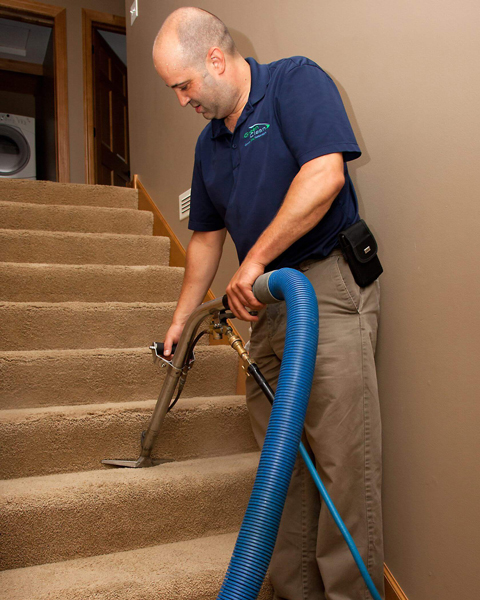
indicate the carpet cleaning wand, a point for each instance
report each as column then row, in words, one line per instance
column 176, row 373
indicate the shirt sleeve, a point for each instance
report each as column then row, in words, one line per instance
column 312, row 116
column 203, row 214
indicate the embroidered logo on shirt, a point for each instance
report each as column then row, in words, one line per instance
column 255, row 131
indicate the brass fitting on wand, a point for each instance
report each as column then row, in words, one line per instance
column 236, row 343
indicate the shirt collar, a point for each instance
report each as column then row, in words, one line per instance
column 260, row 77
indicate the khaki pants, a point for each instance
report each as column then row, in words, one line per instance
column 311, row 560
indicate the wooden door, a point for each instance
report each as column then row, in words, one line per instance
column 112, row 162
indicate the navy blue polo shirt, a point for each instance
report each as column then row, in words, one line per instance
column 294, row 114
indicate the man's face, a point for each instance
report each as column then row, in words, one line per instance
column 199, row 88
column 200, row 91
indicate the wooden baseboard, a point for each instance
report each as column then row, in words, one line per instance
column 392, row 590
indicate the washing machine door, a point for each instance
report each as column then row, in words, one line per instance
column 14, row 150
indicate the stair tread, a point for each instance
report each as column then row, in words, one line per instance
column 67, row 194
column 179, row 570
column 71, row 515
column 49, row 325
column 67, row 247
column 38, row 378
column 89, row 219
column 94, row 268
column 81, row 235
column 89, row 282
column 71, row 208
column 81, row 305
column 29, row 355
column 17, row 415
column 36, row 489
column 196, row 427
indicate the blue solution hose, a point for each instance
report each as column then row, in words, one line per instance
column 340, row 524
column 258, row 533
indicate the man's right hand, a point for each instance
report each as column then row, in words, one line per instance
column 172, row 337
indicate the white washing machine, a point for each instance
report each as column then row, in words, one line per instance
column 17, row 147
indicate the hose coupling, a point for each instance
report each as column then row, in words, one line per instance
column 236, row 343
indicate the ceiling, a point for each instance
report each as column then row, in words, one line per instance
column 23, row 41
column 117, row 42
column 28, row 43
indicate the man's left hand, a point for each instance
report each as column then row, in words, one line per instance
column 239, row 290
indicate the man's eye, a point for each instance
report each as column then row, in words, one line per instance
column 183, row 88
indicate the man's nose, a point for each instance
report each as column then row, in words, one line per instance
column 183, row 98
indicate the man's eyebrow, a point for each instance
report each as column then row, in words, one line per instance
column 179, row 84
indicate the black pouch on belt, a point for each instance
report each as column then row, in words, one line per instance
column 359, row 248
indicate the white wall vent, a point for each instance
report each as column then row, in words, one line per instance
column 184, row 204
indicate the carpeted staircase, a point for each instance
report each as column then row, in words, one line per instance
column 84, row 289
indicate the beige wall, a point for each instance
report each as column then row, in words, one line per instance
column 409, row 76
column 75, row 74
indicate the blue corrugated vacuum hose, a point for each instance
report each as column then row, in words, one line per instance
column 255, row 542
column 256, row 539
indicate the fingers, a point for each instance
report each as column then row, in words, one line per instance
column 172, row 337
column 246, row 298
column 167, row 347
column 239, row 290
column 240, row 311
column 238, row 303
column 252, row 302
column 240, row 297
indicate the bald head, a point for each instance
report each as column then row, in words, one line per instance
column 189, row 33
column 195, row 55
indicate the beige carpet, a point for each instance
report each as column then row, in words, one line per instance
column 84, row 289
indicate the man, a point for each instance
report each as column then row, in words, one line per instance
column 270, row 167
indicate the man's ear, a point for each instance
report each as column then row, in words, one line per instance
column 216, row 60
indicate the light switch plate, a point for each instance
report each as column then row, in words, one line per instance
column 133, row 11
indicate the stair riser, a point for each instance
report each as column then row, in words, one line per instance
column 47, row 192
column 47, row 283
column 112, row 514
column 59, row 378
column 75, row 219
column 88, row 248
column 62, row 442
column 75, row 325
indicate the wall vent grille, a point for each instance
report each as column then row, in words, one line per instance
column 184, row 204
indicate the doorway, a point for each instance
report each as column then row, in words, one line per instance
column 107, row 160
column 33, row 92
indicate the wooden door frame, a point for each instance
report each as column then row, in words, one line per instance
column 46, row 14
column 116, row 24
